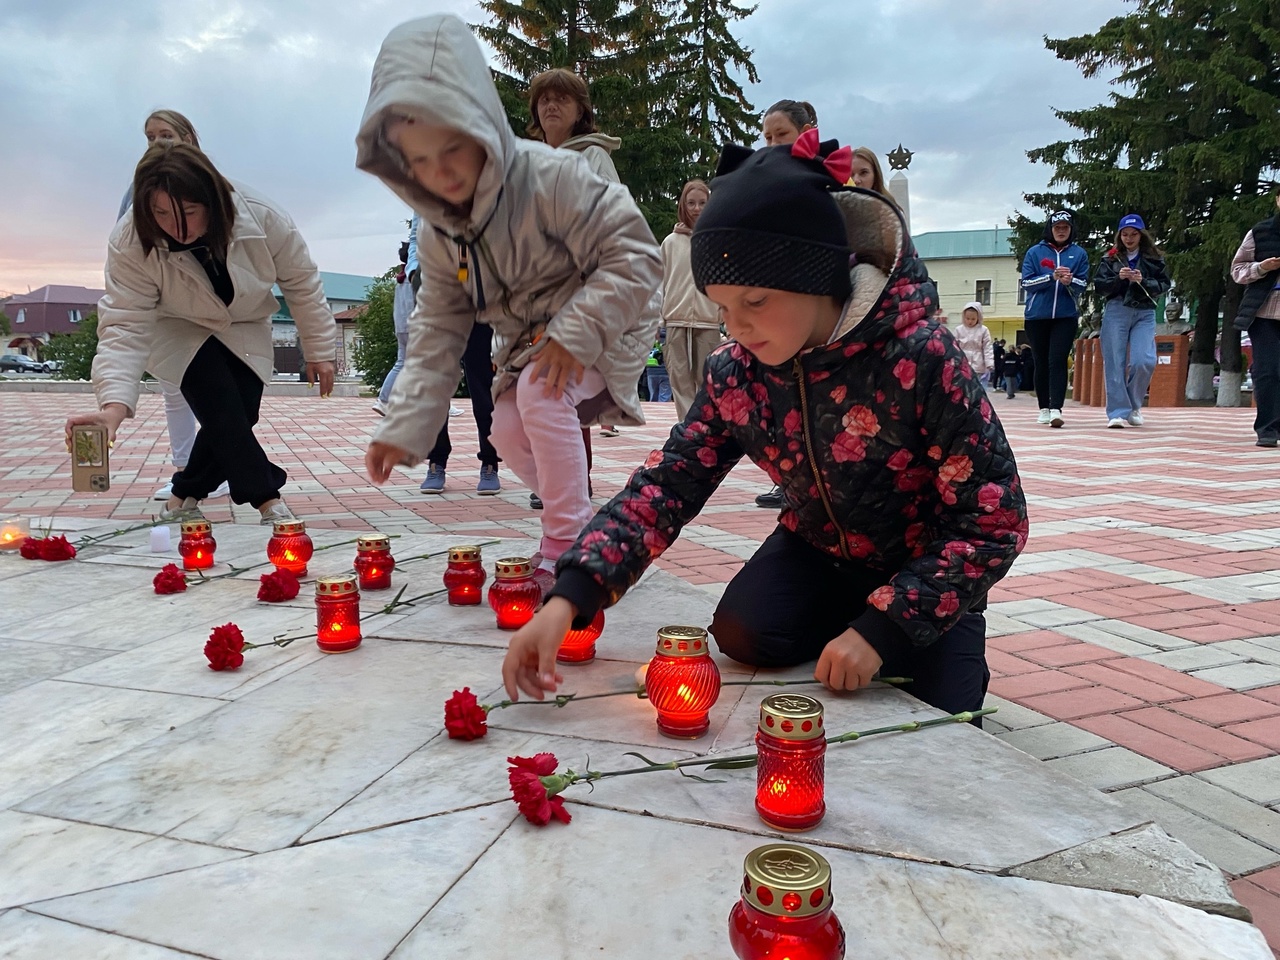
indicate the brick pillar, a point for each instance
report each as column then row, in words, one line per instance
column 1080, row 373
column 1098, row 381
column 1169, row 382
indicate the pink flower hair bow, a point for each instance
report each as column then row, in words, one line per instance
column 839, row 163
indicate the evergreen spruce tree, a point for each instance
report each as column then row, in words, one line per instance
column 1189, row 139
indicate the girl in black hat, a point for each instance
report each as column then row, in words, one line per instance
column 902, row 505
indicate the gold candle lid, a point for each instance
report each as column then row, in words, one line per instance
column 193, row 527
column 287, row 528
column 339, row 585
column 787, row 880
column 374, row 541
column 678, row 641
column 467, row 553
column 512, row 568
column 791, row 716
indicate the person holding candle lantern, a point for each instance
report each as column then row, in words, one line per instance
column 189, row 277
column 902, row 504
column 519, row 236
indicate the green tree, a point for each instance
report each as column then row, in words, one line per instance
column 5, row 329
column 374, row 353
column 75, row 350
column 1189, row 139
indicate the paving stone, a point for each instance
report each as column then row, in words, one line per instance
column 1142, row 861
column 1085, row 702
column 1241, row 676
column 1227, row 708
column 1224, row 848
column 1253, row 821
column 1013, row 716
column 1194, row 658
column 1265, row 906
column 1054, row 740
column 1110, row 768
column 1258, row 780
column 1266, row 732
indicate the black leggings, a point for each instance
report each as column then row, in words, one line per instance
column 225, row 396
column 1051, row 342
column 790, row 599
column 477, row 364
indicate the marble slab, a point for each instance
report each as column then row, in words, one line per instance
column 600, row 887
column 46, row 858
column 354, row 897
column 259, row 772
column 57, row 730
column 29, row 936
column 48, row 587
column 26, row 663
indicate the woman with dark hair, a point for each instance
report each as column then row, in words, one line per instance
column 1132, row 278
column 189, row 278
column 1054, row 274
column 1256, row 266
column 786, row 120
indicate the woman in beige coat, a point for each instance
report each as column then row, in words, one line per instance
column 189, row 275
column 692, row 321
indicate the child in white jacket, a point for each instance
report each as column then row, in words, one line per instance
column 522, row 237
column 975, row 340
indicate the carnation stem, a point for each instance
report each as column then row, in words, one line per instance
column 438, row 553
column 895, row 681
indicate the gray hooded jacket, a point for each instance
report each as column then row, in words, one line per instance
column 553, row 249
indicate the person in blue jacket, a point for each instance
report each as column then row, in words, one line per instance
column 1054, row 274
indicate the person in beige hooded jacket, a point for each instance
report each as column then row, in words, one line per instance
column 189, row 277
column 557, row 260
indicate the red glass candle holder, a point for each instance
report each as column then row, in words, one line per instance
column 514, row 594
column 196, row 545
column 374, row 561
column 579, row 646
column 289, row 547
column 790, row 775
column 785, row 909
column 464, row 577
column 337, row 613
column 683, row 682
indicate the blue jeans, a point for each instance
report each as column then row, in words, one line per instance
column 1128, row 356
column 402, row 344
column 659, row 384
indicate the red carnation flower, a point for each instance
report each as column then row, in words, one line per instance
column 1047, row 262
column 56, row 548
column 30, row 548
column 464, row 718
column 529, row 788
column 170, row 579
column 278, row 587
column 224, row 647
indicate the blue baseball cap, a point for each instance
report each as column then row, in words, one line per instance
column 1131, row 220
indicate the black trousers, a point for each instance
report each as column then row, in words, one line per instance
column 1051, row 342
column 790, row 599
column 477, row 364
column 1264, row 333
column 225, row 396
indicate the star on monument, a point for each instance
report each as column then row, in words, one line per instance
column 900, row 159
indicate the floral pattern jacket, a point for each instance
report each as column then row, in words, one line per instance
column 883, row 442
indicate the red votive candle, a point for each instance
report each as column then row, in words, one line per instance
column 682, row 682
column 514, row 594
column 579, row 646
column 196, row 545
column 464, row 577
column 785, row 909
column 289, row 547
column 374, row 561
column 790, row 775
column 337, row 613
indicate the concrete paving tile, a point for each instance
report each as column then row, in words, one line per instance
column 1054, row 740
column 1256, row 780
column 1241, row 676
column 1224, row 848
column 1110, row 768
column 1251, row 820
column 1013, row 716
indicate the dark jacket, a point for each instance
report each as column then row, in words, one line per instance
column 1155, row 280
column 887, row 451
column 1266, row 244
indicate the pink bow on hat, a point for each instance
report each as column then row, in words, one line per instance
column 839, row 163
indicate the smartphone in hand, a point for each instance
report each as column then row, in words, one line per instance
column 90, row 469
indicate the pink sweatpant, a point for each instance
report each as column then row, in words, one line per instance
column 540, row 439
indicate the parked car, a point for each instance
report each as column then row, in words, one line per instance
column 20, row 363
column 52, row 366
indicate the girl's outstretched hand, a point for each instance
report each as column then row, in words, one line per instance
column 380, row 459
column 530, row 664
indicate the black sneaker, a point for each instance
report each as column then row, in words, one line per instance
column 1267, row 442
column 535, row 501
column 770, row 500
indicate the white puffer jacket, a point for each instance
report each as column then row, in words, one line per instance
column 160, row 308
column 977, row 346
column 552, row 248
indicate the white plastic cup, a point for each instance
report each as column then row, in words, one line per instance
column 160, row 539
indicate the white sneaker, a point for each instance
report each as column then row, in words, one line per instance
column 379, row 408
column 165, row 492
column 455, row 411
column 1045, row 415
column 277, row 511
column 222, row 490
column 1116, row 423
column 1055, row 418
column 1135, row 419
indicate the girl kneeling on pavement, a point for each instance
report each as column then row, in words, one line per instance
column 902, row 505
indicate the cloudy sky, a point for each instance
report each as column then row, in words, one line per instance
column 276, row 89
